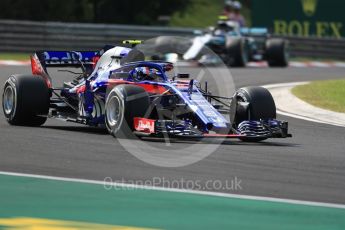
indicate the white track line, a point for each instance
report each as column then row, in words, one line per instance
column 205, row 193
column 301, row 116
column 305, row 118
column 14, row 63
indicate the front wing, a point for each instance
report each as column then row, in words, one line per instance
column 183, row 129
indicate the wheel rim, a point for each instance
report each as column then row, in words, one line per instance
column 114, row 111
column 9, row 100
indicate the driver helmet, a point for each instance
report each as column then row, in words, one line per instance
column 144, row 73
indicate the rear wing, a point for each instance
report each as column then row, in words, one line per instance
column 66, row 58
column 40, row 61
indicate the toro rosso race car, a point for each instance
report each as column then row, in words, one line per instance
column 233, row 45
column 130, row 97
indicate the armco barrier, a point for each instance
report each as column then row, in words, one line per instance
column 317, row 47
column 28, row 36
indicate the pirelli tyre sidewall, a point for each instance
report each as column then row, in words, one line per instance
column 123, row 104
column 25, row 100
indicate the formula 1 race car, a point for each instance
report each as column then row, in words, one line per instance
column 131, row 97
column 233, row 45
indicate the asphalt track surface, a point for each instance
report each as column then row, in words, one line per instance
column 310, row 166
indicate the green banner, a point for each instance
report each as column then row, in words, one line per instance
column 321, row 18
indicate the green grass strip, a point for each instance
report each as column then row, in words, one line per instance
column 328, row 94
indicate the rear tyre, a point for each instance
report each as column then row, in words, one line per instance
column 277, row 52
column 237, row 52
column 25, row 100
column 253, row 103
column 123, row 104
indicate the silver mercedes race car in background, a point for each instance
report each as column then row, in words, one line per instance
column 230, row 44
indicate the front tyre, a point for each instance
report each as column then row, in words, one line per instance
column 25, row 100
column 252, row 104
column 123, row 104
column 237, row 52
